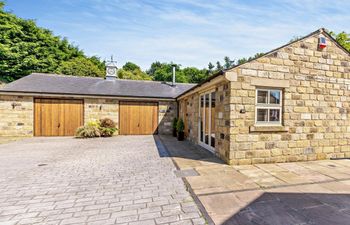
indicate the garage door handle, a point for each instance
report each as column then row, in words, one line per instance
column 138, row 125
column 59, row 125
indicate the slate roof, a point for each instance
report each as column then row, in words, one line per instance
column 38, row 83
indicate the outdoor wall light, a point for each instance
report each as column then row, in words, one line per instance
column 14, row 104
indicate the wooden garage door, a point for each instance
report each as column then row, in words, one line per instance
column 138, row 118
column 57, row 117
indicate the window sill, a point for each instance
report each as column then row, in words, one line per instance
column 268, row 128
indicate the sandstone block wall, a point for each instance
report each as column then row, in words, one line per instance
column 16, row 116
column 167, row 111
column 222, row 118
column 95, row 109
column 316, row 105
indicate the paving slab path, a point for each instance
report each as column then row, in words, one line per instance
column 303, row 193
column 119, row 180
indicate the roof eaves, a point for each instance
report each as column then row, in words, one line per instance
column 87, row 95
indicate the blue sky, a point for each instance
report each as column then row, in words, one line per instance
column 189, row 32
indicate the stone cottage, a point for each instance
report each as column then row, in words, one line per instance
column 290, row 104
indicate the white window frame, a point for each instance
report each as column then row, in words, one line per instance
column 202, row 143
column 268, row 106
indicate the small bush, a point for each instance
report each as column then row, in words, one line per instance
column 103, row 128
column 107, row 123
column 175, row 123
column 107, row 127
column 90, row 130
column 180, row 126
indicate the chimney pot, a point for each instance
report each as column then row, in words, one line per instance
column 174, row 75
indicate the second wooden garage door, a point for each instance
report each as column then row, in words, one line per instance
column 138, row 118
column 57, row 117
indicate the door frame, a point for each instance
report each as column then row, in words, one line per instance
column 137, row 101
column 202, row 143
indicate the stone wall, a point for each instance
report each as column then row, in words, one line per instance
column 167, row 113
column 316, row 105
column 16, row 116
column 222, row 118
column 18, row 121
column 95, row 109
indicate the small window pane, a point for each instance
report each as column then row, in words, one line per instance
column 262, row 97
column 262, row 115
column 275, row 97
column 274, row 115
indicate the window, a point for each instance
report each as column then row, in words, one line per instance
column 268, row 107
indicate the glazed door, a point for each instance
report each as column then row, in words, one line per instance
column 207, row 126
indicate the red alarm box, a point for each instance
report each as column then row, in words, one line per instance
column 322, row 43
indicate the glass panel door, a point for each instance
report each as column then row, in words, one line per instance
column 207, row 117
column 201, row 116
column 212, row 120
column 207, row 120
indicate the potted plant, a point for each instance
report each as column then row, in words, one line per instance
column 180, row 130
column 174, row 126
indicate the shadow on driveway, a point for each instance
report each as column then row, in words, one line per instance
column 184, row 150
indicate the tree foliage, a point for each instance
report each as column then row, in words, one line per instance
column 164, row 72
column 343, row 39
column 80, row 66
column 27, row 48
column 132, row 71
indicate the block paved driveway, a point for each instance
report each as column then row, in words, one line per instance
column 120, row 180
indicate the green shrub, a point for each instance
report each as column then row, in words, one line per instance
column 90, row 130
column 180, row 126
column 107, row 127
column 107, row 123
column 175, row 123
column 103, row 128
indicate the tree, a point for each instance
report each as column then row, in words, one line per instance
column 342, row 38
column 164, row 72
column 218, row 66
column 195, row 75
column 210, row 67
column 27, row 48
column 228, row 62
column 80, row 66
column 132, row 71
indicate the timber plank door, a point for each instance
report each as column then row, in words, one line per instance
column 138, row 118
column 57, row 117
